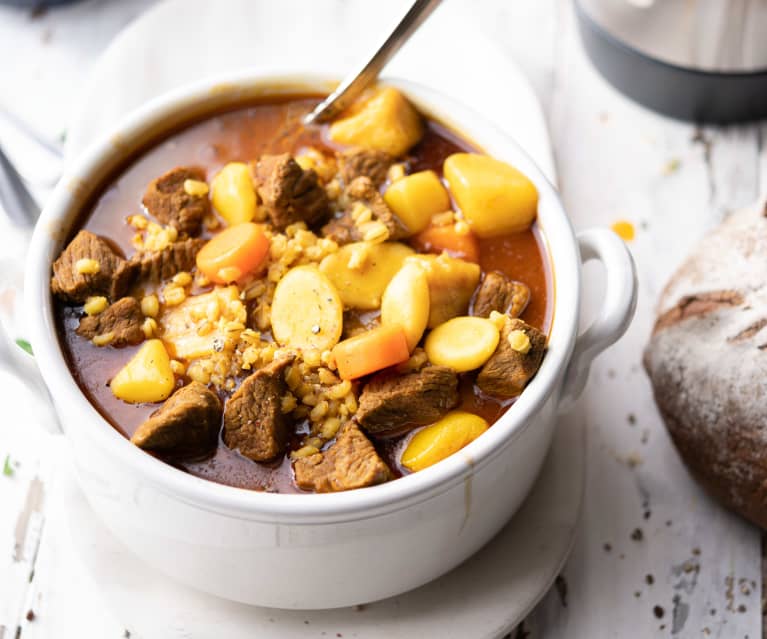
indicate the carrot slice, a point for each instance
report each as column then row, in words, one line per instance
column 233, row 253
column 371, row 351
column 435, row 239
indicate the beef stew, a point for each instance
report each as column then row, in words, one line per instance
column 286, row 309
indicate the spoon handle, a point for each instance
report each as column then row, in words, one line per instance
column 21, row 125
column 356, row 82
column 15, row 197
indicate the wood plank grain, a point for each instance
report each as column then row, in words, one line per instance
column 22, row 444
column 654, row 554
column 52, row 51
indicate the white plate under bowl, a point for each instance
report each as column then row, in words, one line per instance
column 483, row 598
column 180, row 41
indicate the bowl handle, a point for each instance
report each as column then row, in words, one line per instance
column 617, row 311
column 15, row 356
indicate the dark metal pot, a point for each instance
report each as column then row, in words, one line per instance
column 683, row 92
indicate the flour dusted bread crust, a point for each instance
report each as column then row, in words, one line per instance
column 707, row 361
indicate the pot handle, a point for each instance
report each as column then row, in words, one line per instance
column 14, row 356
column 617, row 311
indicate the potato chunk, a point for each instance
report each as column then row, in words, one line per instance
column 385, row 121
column 307, row 312
column 451, row 285
column 415, row 198
column 361, row 271
column 405, row 302
column 147, row 377
column 494, row 197
column 198, row 326
column 462, row 343
column 234, row 195
column 443, row 438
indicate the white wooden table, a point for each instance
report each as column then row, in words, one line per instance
column 654, row 556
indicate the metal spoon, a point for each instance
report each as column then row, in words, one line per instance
column 363, row 76
column 48, row 166
column 21, row 125
column 15, row 197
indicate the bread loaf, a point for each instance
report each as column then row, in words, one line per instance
column 707, row 361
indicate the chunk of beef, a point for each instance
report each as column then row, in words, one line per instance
column 156, row 266
column 254, row 422
column 350, row 462
column 186, row 425
column 361, row 190
column 365, row 162
column 342, row 230
column 392, row 402
column 289, row 193
column 509, row 370
column 166, row 200
column 498, row 293
column 123, row 319
column 112, row 276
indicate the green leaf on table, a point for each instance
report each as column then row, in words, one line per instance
column 7, row 467
column 24, row 345
column 672, row 166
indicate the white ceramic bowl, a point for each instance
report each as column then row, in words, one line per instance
column 329, row 550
